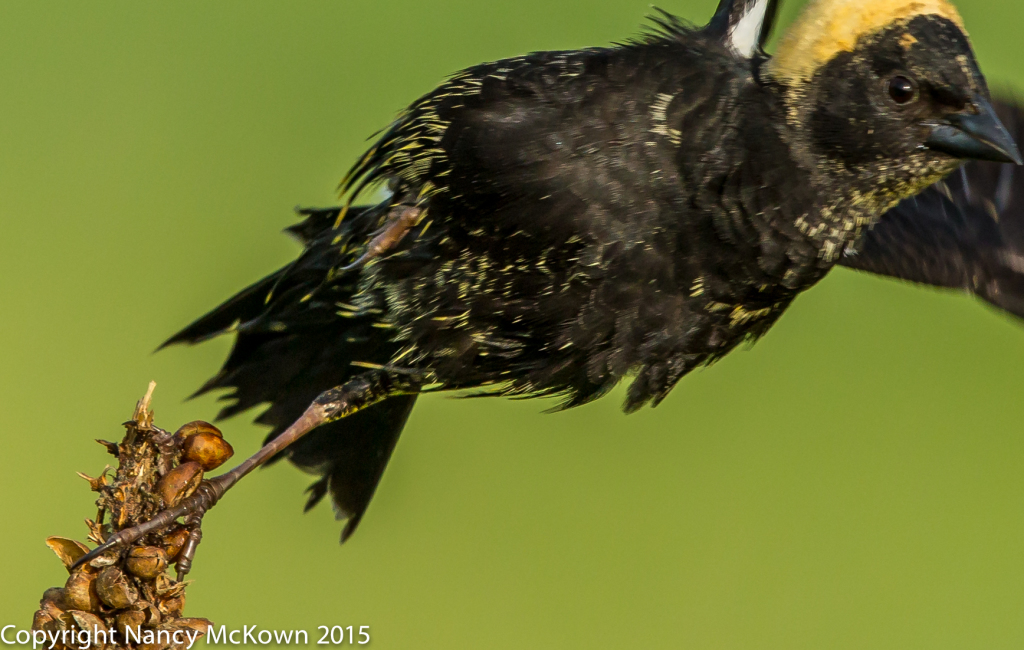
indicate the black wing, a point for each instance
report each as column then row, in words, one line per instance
column 965, row 232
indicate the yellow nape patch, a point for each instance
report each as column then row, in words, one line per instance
column 828, row 27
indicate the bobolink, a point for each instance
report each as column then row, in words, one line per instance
column 558, row 222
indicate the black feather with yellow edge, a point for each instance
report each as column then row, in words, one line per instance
column 558, row 222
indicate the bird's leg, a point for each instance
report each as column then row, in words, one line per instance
column 359, row 392
column 188, row 551
column 401, row 219
column 168, row 446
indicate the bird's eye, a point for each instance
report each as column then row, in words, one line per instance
column 902, row 90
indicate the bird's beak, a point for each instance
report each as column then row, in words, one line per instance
column 980, row 136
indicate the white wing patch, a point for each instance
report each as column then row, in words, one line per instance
column 745, row 33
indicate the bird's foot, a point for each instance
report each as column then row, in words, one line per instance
column 192, row 509
column 401, row 220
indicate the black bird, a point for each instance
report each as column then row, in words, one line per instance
column 558, row 222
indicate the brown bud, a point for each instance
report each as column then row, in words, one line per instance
column 209, row 450
column 133, row 619
column 146, row 561
column 194, row 427
column 113, row 588
column 68, row 550
column 179, row 483
column 174, row 540
column 80, row 592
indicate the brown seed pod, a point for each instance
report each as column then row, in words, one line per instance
column 114, row 589
column 173, row 606
column 165, row 587
column 179, row 483
column 54, row 595
column 146, row 561
column 89, row 623
column 194, row 427
column 68, row 550
column 133, row 619
column 209, row 450
column 200, row 625
column 107, row 559
column 80, row 592
column 40, row 619
column 150, row 611
column 51, row 610
column 56, row 626
column 174, row 540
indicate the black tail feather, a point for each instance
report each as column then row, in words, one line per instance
column 243, row 306
column 359, row 448
column 291, row 345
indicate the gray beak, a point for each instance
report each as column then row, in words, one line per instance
column 981, row 136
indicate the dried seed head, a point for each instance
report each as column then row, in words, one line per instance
column 146, row 561
column 209, row 450
column 80, row 592
column 179, row 483
column 174, row 540
column 114, row 589
column 129, row 587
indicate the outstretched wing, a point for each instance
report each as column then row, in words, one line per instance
column 965, row 232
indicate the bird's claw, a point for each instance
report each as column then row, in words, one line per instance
column 192, row 508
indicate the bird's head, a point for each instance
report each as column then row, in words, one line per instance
column 887, row 89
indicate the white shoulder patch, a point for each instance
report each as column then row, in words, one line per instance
column 745, row 28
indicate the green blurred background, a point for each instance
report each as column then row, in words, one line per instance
column 856, row 480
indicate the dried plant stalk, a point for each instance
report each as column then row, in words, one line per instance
column 125, row 598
